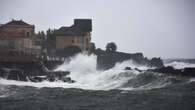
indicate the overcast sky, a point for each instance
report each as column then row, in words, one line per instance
column 161, row 28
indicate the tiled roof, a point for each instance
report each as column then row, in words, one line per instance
column 69, row 31
column 17, row 22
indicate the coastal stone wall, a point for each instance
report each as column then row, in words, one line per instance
column 106, row 60
column 29, row 68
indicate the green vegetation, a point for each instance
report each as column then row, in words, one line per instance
column 111, row 47
column 68, row 51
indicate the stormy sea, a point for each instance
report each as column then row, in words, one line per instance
column 113, row 89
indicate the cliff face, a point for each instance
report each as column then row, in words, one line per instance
column 106, row 60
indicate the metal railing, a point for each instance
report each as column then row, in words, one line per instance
column 21, row 55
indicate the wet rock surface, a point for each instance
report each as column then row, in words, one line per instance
column 33, row 71
column 107, row 60
column 170, row 70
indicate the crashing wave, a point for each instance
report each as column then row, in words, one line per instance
column 179, row 65
column 84, row 72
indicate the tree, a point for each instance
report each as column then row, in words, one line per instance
column 50, row 40
column 69, row 51
column 92, row 47
column 111, row 47
column 156, row 62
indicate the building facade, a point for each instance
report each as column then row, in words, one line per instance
column 79, row 34
column 17, row 29
column 17, row 35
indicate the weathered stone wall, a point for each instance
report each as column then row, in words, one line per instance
column 11, row 32
column 30, row 68
column 64, row 41
column 83, row 42
column 106, row 60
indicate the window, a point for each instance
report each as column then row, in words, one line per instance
column 82, row 40
column 87, row 41
column 28, row 34
column 77, row 39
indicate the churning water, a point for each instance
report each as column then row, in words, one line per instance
column 112, row 89
column 84, row 72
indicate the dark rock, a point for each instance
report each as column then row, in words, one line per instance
column 171, row 71
column 107, row 60
column 16, row 74
column 156, row 62
column 72, row 81
column 57, row 75
column 127, row 68
column 30, row 68
column 38, row 78
column 138, row 70
column 34, row 71
column 3, row 73
column 13, row 74
column 51, row 77
column 66, row 79
column 189, row 71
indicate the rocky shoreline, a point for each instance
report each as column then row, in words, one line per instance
column 169, row 70
column 37, row 71
column 107, row 60
column 32, row 71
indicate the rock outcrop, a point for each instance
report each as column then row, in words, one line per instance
column 13, row 74
column 171, row 71
column 106, row 60
column 33, row 71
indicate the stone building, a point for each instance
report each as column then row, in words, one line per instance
column 16, row 29
column 79, row 34
column 17, row 35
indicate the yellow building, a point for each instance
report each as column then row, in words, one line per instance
column 79, row 34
